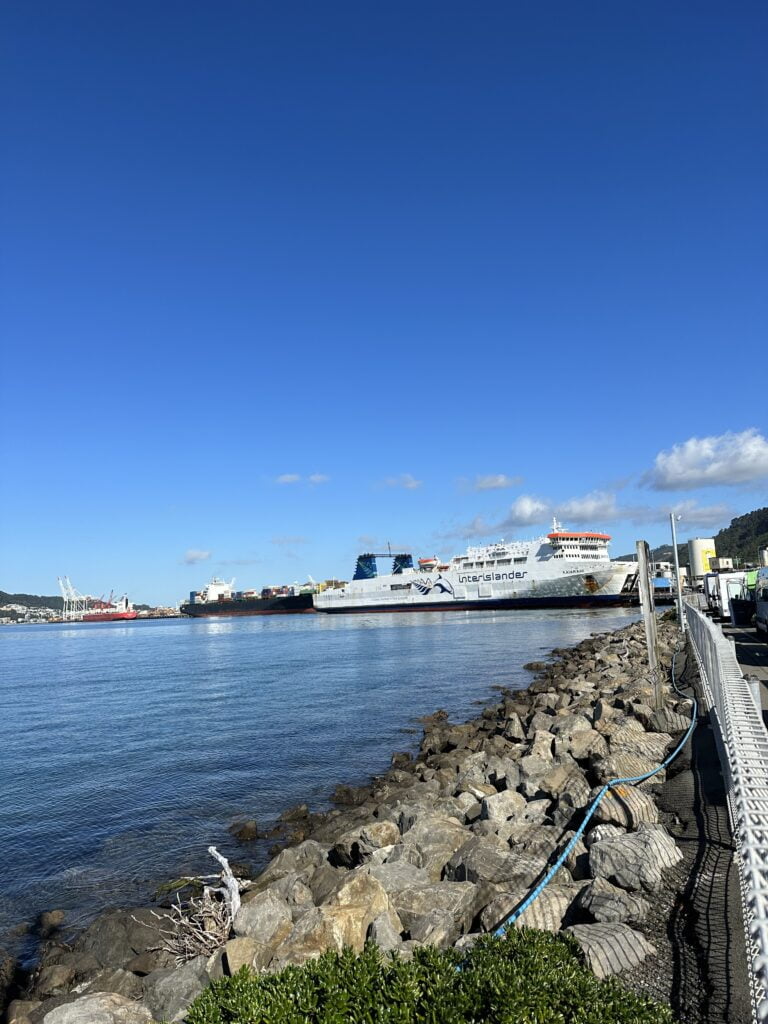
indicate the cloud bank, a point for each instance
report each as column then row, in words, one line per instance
column 724, row 459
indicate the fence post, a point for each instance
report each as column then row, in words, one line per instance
column 649, row 617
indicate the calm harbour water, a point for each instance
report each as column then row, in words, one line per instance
column 127, row 749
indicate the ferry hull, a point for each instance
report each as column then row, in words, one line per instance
column 488, row 605
column 288, row 605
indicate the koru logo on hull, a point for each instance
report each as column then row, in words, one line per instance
column 440, row 586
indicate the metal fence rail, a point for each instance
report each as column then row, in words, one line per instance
column 743, row 746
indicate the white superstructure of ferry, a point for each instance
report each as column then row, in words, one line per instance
column 562, row 569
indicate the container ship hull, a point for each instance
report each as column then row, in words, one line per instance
column 288, row 604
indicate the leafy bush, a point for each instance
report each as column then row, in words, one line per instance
column 528, row 977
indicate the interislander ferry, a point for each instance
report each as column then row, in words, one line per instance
column 560, row 570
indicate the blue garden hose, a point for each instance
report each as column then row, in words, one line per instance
column 539, row 889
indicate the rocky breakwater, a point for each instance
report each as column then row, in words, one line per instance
column 440, row 849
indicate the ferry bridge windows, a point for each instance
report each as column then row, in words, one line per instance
column 520, row 561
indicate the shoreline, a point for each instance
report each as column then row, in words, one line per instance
column 458, row 820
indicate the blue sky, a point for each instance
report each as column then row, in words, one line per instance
column 281, row 282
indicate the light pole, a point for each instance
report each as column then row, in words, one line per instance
column 680, row 617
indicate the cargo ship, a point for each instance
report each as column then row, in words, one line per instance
column 563, row 569
column 219, row 597
column 110, row 611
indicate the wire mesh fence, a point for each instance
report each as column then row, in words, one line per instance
column 742, row 743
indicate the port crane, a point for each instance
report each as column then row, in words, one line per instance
column 75, row 603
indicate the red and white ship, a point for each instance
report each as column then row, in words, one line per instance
column 110, row 611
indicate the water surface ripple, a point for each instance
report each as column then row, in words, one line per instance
column 126, row 749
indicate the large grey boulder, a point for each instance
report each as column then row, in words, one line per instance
column 116, row 937
column 487, row 859
column 266, row 918
column 100, row 1008
column 542, row 745
column 668, row 720
column 502, row 772
column 320, row 929
column 627, row 807
column 243, row 952
column 603, row 832
column 300, row 859
column 502, row 806
column 385, row 932
column 636, row 860
column 606, row 902
column 512, row 728
column 397, row 875
column 53, row 979
column 566, row 784
column 547, row 912
column 358, row 844
column 626, row 765
column 435, row 839
column 567, row 725
column 651, row 745
column 117, row 981
column 610, row 948
column 168, row 993
column 344, row 921
column 584, row 745
column 540, row 721
column 437, row 914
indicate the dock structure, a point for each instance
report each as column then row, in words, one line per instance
column 734, row 683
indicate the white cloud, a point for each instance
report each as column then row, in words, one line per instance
column 319, row 478
column 192, row 556
column 404, row 480
column 525, row 511
column 693, row 514
column 496, row 482
column 708, row 461
column 288, row 478
column 282, row 541
column 598, row 506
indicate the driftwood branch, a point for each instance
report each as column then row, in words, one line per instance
column 204, row 923
column 230, row 889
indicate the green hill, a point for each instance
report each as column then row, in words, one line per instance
column 744, row 537
column 740, row 541
column 32, row 600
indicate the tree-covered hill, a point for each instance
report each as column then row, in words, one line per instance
column 744, row 537
column 32, row 600
column 740, row 541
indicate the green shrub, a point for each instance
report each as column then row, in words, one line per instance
column 527, row 978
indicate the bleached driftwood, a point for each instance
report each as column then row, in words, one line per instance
column 230, row 889
column 205, row 922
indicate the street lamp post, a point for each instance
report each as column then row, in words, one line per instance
column 680, row 617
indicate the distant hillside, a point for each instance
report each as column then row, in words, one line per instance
column 660, row 554
column 744, row 537
column 741, row 540
column 35, row 601
column 32, row 600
